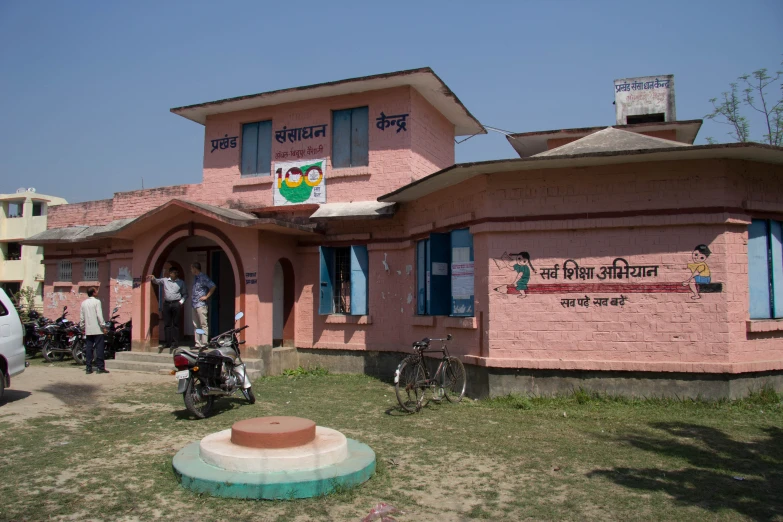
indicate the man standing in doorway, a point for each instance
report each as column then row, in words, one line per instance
column 203, row 288
column 91, row 318
column 174, row 294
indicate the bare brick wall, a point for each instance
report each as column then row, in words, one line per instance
column 89, row 213
column 137, row 202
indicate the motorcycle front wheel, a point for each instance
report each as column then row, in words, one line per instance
column 50, row 355
column 249, row 395
column 195, row 402
column 77, row 352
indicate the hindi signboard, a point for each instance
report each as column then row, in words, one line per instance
column 300, row 182
column 646, row 95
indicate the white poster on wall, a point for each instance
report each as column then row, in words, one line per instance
column 300, row 182
column 440, row 269
column 461, row 273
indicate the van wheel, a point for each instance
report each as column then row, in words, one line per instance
column 2, row 385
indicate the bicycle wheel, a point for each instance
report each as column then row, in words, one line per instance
column 454, row 380
column 407, row 384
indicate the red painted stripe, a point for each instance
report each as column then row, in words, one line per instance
column 612, row 288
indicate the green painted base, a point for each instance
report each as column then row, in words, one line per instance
column 196, row 475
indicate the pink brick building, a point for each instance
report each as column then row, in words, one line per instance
column 623, row 259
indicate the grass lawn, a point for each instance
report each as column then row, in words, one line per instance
column 569, row 458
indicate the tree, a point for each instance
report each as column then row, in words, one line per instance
column 24, row 300
column 755, row 94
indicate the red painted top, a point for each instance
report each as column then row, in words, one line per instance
column 273, row 432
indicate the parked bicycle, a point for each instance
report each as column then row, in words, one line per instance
column 412, row 377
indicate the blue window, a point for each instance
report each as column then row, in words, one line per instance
column 350, row 138
column 344, row 280
column 765, row 269
column 257, row 148
column 444, row 274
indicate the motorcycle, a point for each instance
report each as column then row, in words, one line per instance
column 77, row 342
column 58, row 338
column 118, row 335
column 117, row 339
column 34, row 334
column 215, row 371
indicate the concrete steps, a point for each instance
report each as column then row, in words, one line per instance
column 163, row 363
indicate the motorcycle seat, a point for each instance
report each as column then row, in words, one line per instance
column 187, row 353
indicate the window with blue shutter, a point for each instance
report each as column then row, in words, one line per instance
column 257, row 148
column 359, row 280
column 765, row 269
column 350, row 138
column 326, row 297
column 462, row 294
column 444, row 274
column 344, row 284
column 776, row 267
column 440, row 284
column 422, row 276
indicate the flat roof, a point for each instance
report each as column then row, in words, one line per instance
column 424, row 80
column 530, row 143
column 460, row 172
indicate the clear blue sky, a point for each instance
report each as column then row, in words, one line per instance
column 86, row 87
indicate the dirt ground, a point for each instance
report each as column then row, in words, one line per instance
column 46, row 390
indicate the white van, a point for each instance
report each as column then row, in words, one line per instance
column 11, row 342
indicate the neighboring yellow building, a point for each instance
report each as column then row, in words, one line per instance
column 23, row 215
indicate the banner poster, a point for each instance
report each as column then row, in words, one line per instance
column 300, row 182
column 461, row 273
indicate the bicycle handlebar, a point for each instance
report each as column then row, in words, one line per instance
column 426, row 341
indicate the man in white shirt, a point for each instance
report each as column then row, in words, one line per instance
column 91, row 319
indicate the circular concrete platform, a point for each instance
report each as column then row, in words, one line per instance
column 273, row 432
column 328, row 447
column 198, row 476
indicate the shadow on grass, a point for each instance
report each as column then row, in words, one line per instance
column 73, row 394
column 724, row 474
column 219, row 407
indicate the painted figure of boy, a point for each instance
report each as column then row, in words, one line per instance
column 522, row 266
column 700, row 272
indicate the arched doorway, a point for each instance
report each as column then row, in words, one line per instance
column 215, row 262
column 162, row 270
column 283, row 316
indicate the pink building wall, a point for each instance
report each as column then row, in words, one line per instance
column 71, row 293
column 543, row 213
column 396, row 158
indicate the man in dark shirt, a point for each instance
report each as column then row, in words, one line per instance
column 174, row 294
